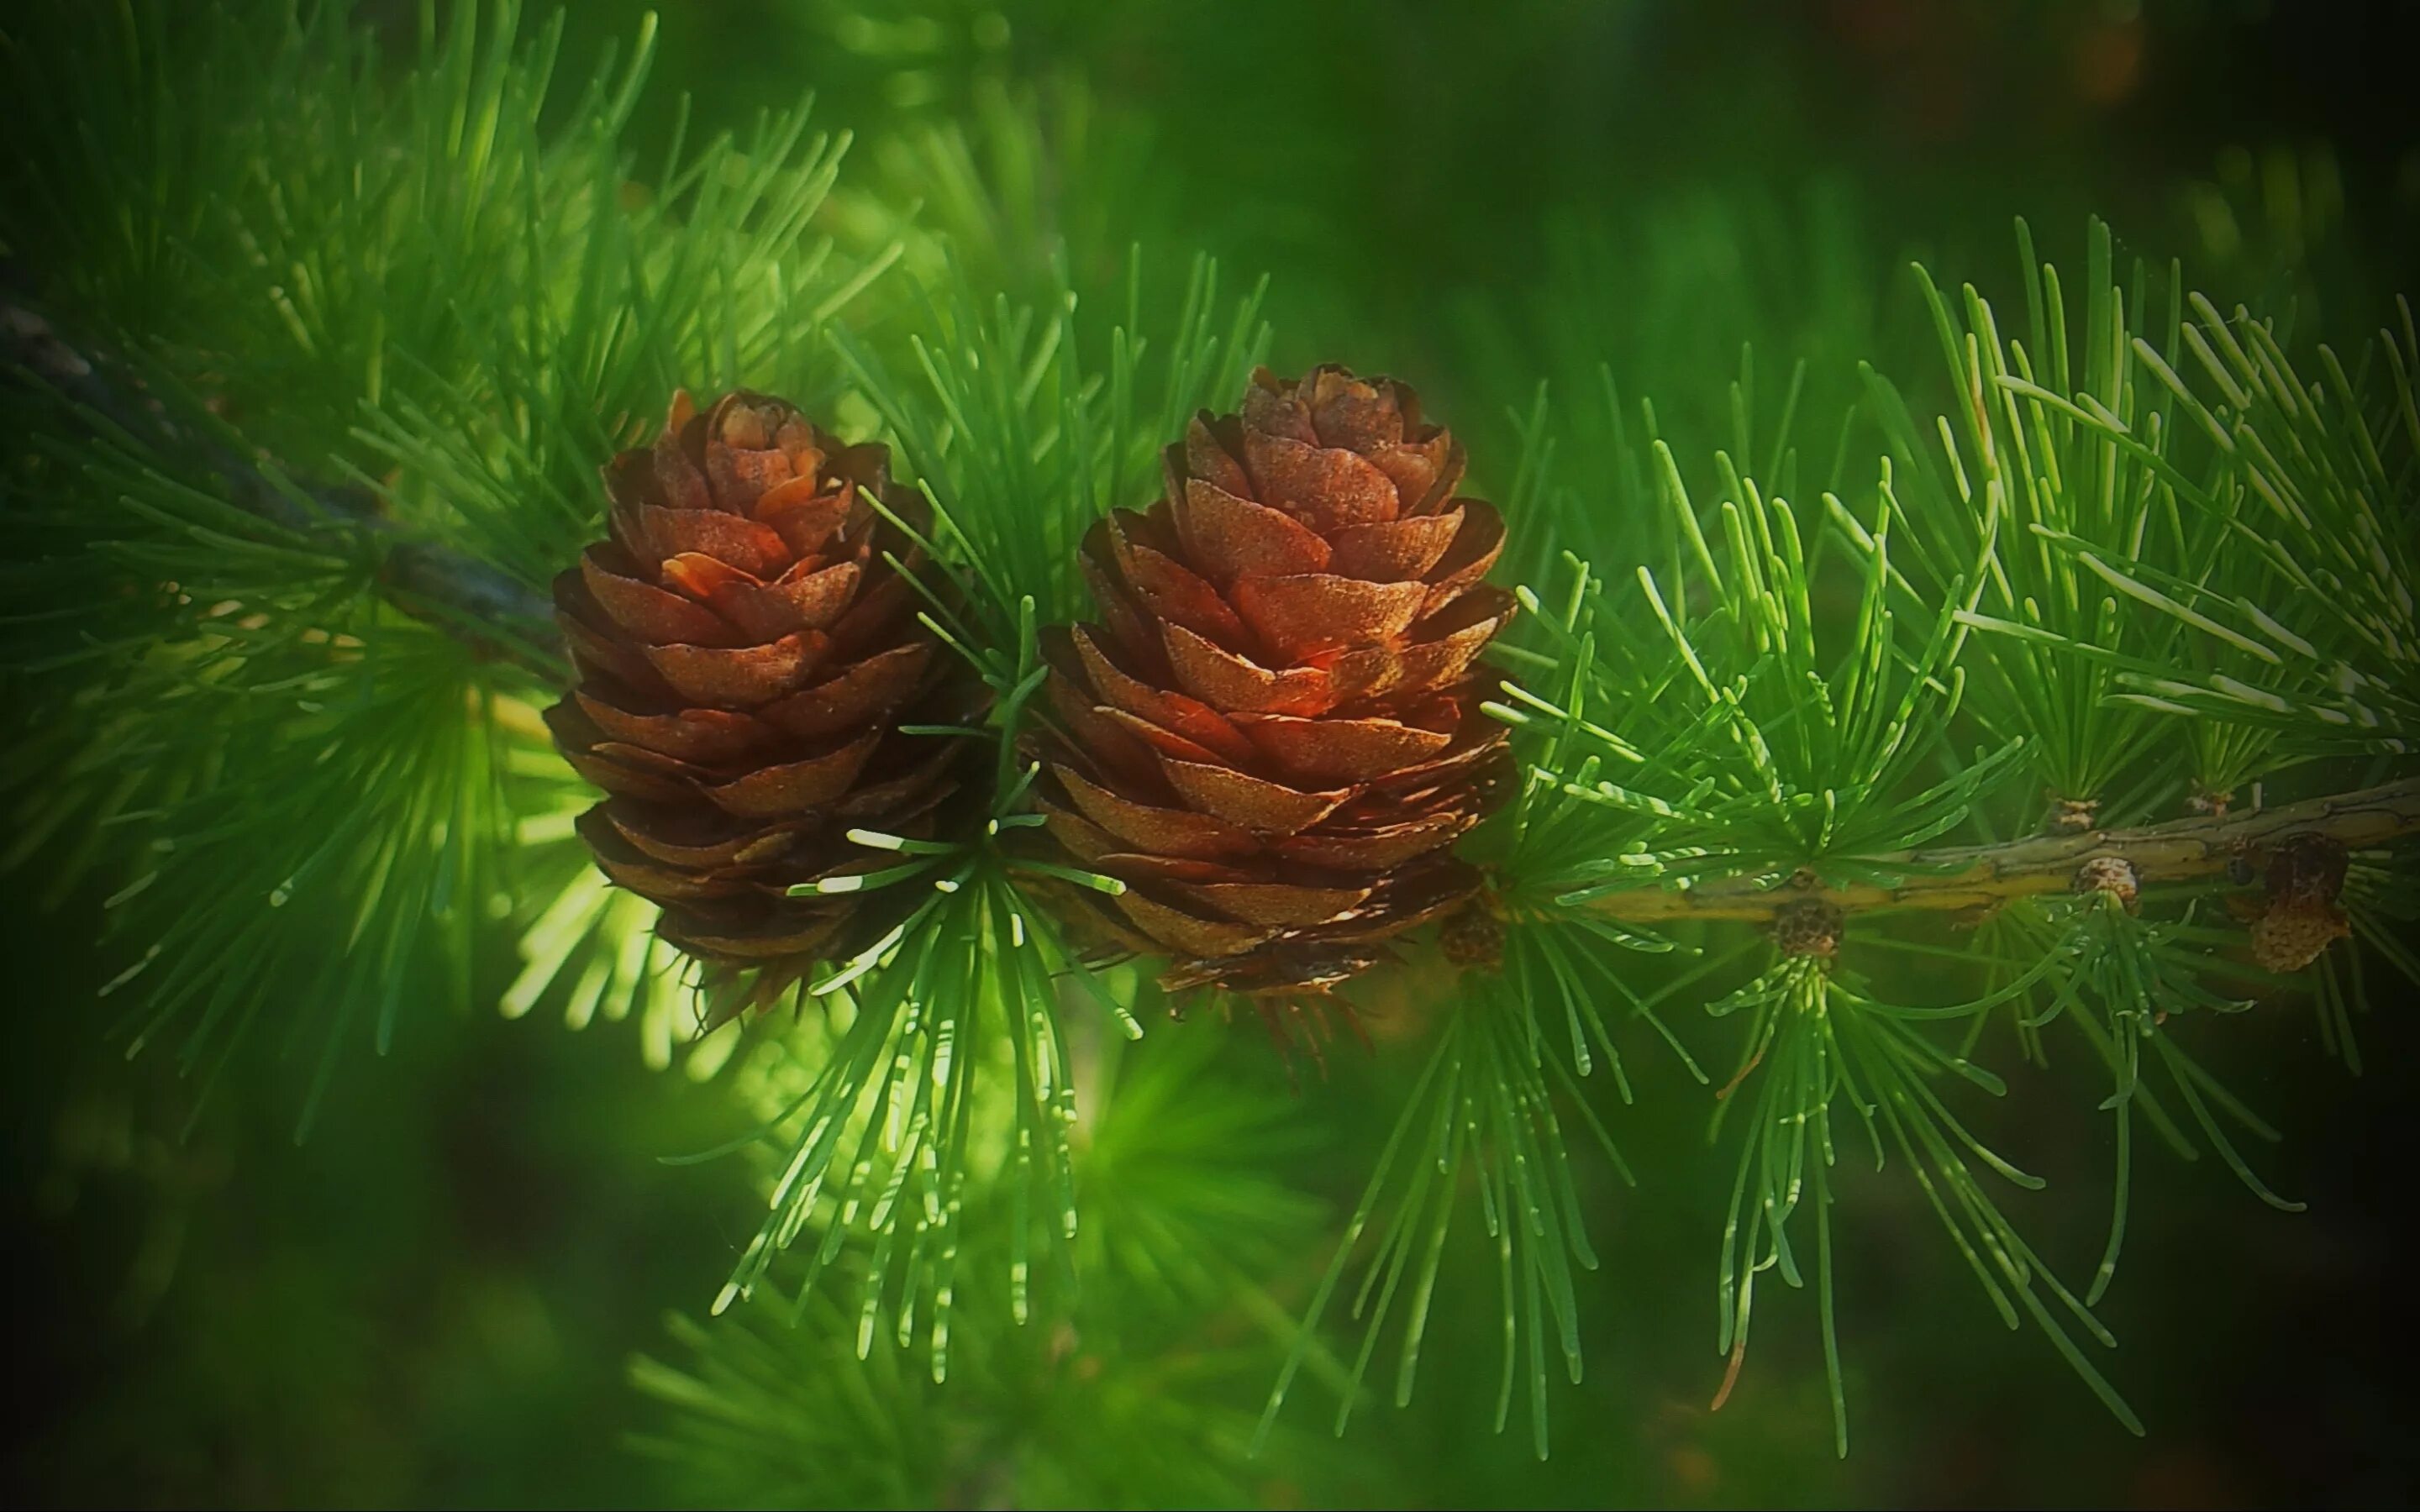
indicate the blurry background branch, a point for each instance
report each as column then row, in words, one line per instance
column 485, row 607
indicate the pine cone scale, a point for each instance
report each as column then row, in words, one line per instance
column 1372, row 850
column 868, row 690
column 1396, row 549
column 771, row 792
column 1153, row 830
column 1196, row 723
column 1264, row 806
column 739, row 677
column 1275, row 904
column 788, row 604
column 642, row 608
column 705, row 737
column 1194, row 935
column 1227, row 534
column 1348, row 751
column 1234, row 683
column 706, row 847
column 1298, row 617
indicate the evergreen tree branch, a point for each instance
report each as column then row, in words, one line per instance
column 486, row 608
column 1981, row 876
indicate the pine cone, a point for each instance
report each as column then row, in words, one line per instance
column 2307, row 876
column 1273, row 736
column 744, row 653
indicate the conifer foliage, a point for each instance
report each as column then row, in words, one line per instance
column 905, row 755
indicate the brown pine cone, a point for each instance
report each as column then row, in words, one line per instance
column 2302, row 919
column 745, row 653
column 1273, row 736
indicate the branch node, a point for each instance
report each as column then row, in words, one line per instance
column 1808, row 927
column 1472, row 937
column 2111, row 874
column 2071, row 816
column 2307, row 867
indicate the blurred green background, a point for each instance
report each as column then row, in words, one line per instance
column 436, row 1299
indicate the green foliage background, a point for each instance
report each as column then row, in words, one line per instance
column 440, row 1296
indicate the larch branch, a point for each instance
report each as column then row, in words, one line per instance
column 486, row 608
column 1980, row 876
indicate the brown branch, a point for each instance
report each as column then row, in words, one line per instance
column 487, row 609
column 1980, row 876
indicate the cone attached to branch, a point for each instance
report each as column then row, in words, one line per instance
column 1273, row 736
column 745, row 655
column 2301, row 918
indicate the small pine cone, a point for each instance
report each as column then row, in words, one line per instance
column 2290, row 936
column 744, row 653
column 1808, row 926
column 1273, row 736
column 2111, row 874
column 2306, row 876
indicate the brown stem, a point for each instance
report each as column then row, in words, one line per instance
column 471, row 599
column 1979, row 876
